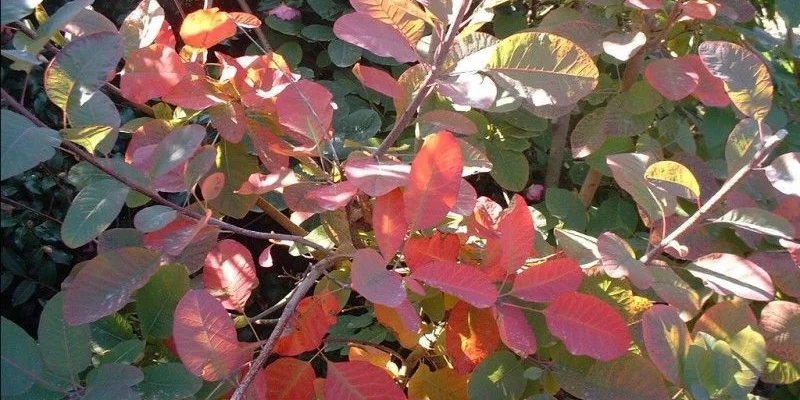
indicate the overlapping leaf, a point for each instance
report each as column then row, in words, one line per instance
column 729, row 274
column 780, row 323
column 619, row 261
column 666, row 340
column 509, row 251
column 542, row 283
column 230, row 273
column 377, row 80
column 376, row 177
column 380, row 38
column 205, row 28
column 289, row 378
column 515, row 330
column 471, row 336
column 460, row 280
column 141, row 27
column 434, row 181
column 371, row 279
column 674, row 78
column 305, row 107
column 389, row 222
column 313, row 317
column 360, row 380
column 151, row 72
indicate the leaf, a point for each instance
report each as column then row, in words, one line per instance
column 628, row 170
column 151, row 72
column 176, row 148
column 442, row 384
column 589, row 133
column 261, row 184
column 289, row 378
column 370, row 279
column 498, row 377
column 205, row 337
column 510, row 169
column 758, row 220
column 515, row 330
column 508, row 252
column 92, row 211
column 471, row 336
column 333, row 197
column 127, row 352
column 566, row 206
column 66, row 347
column 403, row 15
column 156, row 301
column 780, row 323
column 153, row 218
column 750, row 350
column 784, row 173
column 418, row 251
column 230, row 273
column 23, row 145
column 543, row 69
column 403, row 321
column 305, row 107
column 245, row 20
column 784, row 271
column 115, row 390
column 389, row 223
column 90, row 137
column 449, row 120
column 230, row 120
column 237, row 164
column 205, row 28
column 674, row 78
column 588, row 326
column 543, row 283
column 729, row 274
column 582, row 248
column 743, row 143
column 105, row 283
column 460, row 280
column 623, row 45
column 212, row 186
column 709, row 366
column 21, row 363
column 724, row 319
column 114, row 374
column 195, row 91
column 380, row 38
column 141, row 27
column 675, row 178
column 434, row 181
column 666, row 340
column 81, row 68
column 310, row 323
column 359, row 380
column 376, row 177
column 632, row 376
column 377, row 80
column 619, row 260
column 699, row 9
column 746, row 78
column 167, row 381
column 14, row 10
column 343, row 54
column 710, row 90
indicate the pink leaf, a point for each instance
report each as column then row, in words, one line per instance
column 440, row 247
column 409, row 316
column 467, row 197
column 389, row 223
column 542, row 283
column 212, row 186
column 229, row 120
column 784, row 271
column 644, row 4
column 289, row 378
column 673, row 78
column 371, row 279
column 376, row 177
column 106, row 282
column 588, row 326
column 469, row 89
column 623, row 46
column 360, row 380
column 230, row 273
column 699, row 9
column 780, row 323
column 151, row 72
column 460, row 280
column 333, row 197
column 710, row 90
column 265, row 258
column 305, row 107
column 298, row 198
column 618, row 260
column 205, row 337
column 380, row 38
column 515, row 331
column 666, row 339
column 725, row 319
column 175, row 237
column 260, row 183
column 195, row 92
column 729, row 274
column 434, row 181
column 449, row 120
column 509, row 251
column 377, row 80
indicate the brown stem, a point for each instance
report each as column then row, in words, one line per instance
column 556, row 157
column 589, row 187
column 278, row 217
column 79, row 152
column 770, row 143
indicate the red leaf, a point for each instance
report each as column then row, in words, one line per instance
column 434, row 181
column 485, row 217
column 376, row 177
column 389, row 223
column 245, row 20
column 229, row 120
column 195, row 92
column 467, row 198
column 205, row 28
column 106, row 282
column 289, row 379
column 382, row 39
column 421, row 250
column 666, row 339
column 314, row 316
column 710, row 90
column 377, row 80
column 460, row 280
column 542, row 283
column 515, row 330
column 509, row 251
column 588, row 326
column 673, row 78
column 305, row 107
column 449, row 120
column 151, row 72
column 360, row 380
column 699, row 9
column 230, row 273
column 298, row 198
column 205, row 337
column 260, row 183
column 173, row 238
column 166, row 36
column 470, row 336
column 333, row 197
column 729, row 274
column 371, row 279
column 212, row 186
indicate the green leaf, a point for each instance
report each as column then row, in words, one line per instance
column 66, row 348
column 510, row 168
column 674, row 178
column 343, row 54
column 177, row 147
column 153, row 218
column 23, row 145
column 91, row 137
column 578, row 246
column 612, row 145
column 98, row 110
column 743, row 143
column 114, row 391
column 780, row 372
column 156, row 301
column 110, row 331
column 750, row 350
column 327, row 9
column 631, row 376
column 500, row 376
column 318, row 33
column 291, row 28
column 114, row 373
column 237, row 164
column 46, row 30
column 126, row 352
column 359, row 125
column 92, row 211
column 543, row 68
column 628, row 170
column 709, row 366
column 21, row 363
column 614, row 214
column 14, row 10
column 167, row 381
column 758, row 220
column 566, row 206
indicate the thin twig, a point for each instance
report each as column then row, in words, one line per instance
column 262, row 38
column 15, row 203
column 770, row 143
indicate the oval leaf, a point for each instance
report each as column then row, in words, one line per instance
column 673, row 78
column 780, row 323
column 376, row 177
column 666, row 339
column 151, row 72
column 618, row 260
column 371, row 279
column 310, row 323
column 360, row 380
column 67, row 347
column 515, row 330
column 382, row 39
column 377, row 80
column 20, row 360
column 758, row 220
column 205, row 28
column 784, row 173
column 389, row 223
column 471, row 335
column 434, row 181
column 542, row 283
column 230, row 273
column 23, row 145
column 729, row 274
column 675, row 178
column 289, row 378
column 460, row 280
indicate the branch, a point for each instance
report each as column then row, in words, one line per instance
column 427, row 85
column 554, row 163
column 770, row 143
column 305, row 285
column 80, row 153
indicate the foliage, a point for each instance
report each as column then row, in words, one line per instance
column 428, row 282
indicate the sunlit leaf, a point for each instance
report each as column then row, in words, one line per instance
column 380, row 38
column 632, row 376
column 377, row 80
column 260, row 183
column 151, row 72
column 515, row 243
column 434, row 181
column 623, row 46
column 418, row 250
column 460, row 280
column 758, row 220
column 449, row 120
column 619, row 260
column 230, row 273
column 471, row 336
column 237, row 164
column 289, row 378
column 177, row 147
column 674, row 78
column 442, row 384
column 675, row 178
column 305, row 107
column 784, row 173
column 515, row 330
column 229, row 119
column 405, row 16
column 310, row 323
column 780, row 323
column 403, row 321
column 628, row 170
column 743, row 143
column 14, row 10
column 354, row 380
column 729, row 274
column 371, row 279
column 376, row 177
column 333, row 197
column 542, row 283
column 784, row 271
column 142, row 25
column 666, row 340
column 389, row 222
column 205, row 28
column 699, row 9
column 92, row 211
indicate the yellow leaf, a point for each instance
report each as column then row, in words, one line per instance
column 675, row 178
column 442, row 384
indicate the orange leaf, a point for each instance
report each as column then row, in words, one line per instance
column 205, row 28
column 288, row 379
column 434, row 182
column 389, row 223
column 470, row 336
column 442, row 384
column 404, row 322
column 314, row 316
column 151, row 72
column 377, row 80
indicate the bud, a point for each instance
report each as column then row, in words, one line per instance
column 535, row 193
